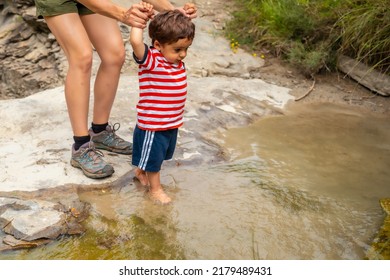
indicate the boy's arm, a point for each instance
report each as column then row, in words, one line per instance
column 136, row 35
column 137, row 42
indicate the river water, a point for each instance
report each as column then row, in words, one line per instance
column 302, row 185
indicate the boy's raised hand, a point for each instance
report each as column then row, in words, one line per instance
column 148, row 9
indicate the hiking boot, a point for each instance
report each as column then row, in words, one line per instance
column 90, row 161
column 108, row 140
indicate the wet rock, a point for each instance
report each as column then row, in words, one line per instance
column 11, row 243
column 30, row 223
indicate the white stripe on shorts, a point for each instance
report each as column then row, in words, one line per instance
column 146, row 147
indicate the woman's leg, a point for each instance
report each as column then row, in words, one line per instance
column 74, row 41
column 106, row 37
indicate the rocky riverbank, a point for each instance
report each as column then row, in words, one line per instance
column 226, row 89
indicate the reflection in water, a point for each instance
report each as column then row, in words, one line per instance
column 301, row 186
column 326, row 149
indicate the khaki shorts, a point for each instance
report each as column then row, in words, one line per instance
column 47, row 8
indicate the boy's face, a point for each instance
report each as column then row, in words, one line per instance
column 175, row 52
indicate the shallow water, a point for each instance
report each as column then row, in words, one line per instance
column 304, row 185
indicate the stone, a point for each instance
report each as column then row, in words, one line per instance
column 11, row 243
column 31, row 220
column 365, row 75
column 25, row 40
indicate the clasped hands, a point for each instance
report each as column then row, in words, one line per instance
column 139, row 14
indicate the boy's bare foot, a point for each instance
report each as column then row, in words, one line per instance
column 141, row 176
column 159, row 196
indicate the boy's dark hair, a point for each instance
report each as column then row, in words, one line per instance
column 170, row 26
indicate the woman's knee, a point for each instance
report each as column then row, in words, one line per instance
column 114, row 57
column 81, row 60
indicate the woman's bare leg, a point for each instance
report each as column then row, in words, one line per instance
column 74, row 41
column 106, row 37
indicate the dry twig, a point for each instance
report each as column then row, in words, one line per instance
column 308, row 92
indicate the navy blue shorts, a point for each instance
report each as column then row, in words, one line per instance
column 151, row 148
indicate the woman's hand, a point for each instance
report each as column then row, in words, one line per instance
column 138, row 15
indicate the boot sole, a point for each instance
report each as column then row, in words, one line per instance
column 89, row 174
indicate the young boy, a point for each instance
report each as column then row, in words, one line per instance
column 163, row 90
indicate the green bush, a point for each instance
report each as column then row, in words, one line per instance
column 365, row 33
column 310, row 34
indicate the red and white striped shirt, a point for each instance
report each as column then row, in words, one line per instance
column 163, row 92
